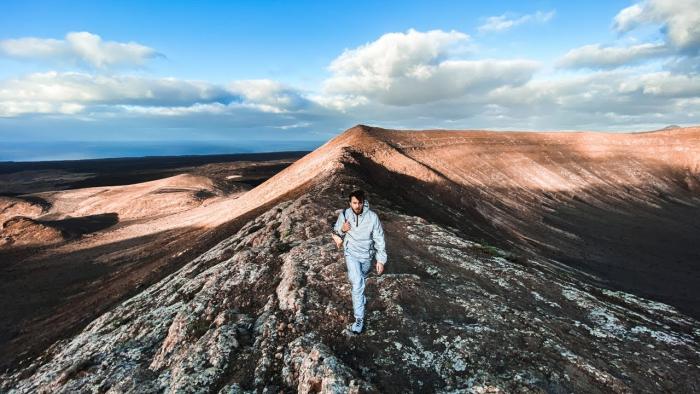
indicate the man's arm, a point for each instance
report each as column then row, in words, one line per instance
column 378, row 238
column 337, row 228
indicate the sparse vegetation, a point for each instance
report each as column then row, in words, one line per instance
column 489, row 249
column 204, row 194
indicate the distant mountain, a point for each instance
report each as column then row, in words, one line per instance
column 518, row 262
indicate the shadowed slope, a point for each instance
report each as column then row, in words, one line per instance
column 624, row 207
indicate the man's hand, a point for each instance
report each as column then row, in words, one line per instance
column 338, row 240
column 346, row 226
column 380, row 268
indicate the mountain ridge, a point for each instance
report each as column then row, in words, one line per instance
column 263, row 309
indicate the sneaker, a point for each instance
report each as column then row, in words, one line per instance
column 357, row 326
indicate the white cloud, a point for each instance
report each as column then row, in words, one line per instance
column 415, row 67
column 604, row 100
column 85, row 89
column 416, row 84
column 78, row 48
column 680, row 20
column 406, row 79
column 597, row 56
column 506, row 21
column 72, row 92
column 15, row 108
column 339, row 102
column 394, row 54
column 183, row 110
column 680, row 30
column 88, row 104
column 269, row 92
column 664, row 84
column 294, row 126
column 628, row 18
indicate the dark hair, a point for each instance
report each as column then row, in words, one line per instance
column 358, row 194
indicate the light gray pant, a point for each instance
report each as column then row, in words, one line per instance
column 358, row 270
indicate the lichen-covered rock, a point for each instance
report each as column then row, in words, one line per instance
column 311, row 367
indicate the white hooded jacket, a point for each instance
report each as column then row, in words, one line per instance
column 366, row 236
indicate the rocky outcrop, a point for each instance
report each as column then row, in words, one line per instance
column 22, row 231
column 31, row 207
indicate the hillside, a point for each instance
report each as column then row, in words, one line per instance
column 508, row 256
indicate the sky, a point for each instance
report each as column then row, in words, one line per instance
column 260, row 74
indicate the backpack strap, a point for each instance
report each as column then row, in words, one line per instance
column 333, row 227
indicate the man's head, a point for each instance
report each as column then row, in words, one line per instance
column 357, row 199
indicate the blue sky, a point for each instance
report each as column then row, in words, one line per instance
column 305, row 71
column 291, row 41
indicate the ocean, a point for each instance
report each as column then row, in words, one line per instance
column 78, row 150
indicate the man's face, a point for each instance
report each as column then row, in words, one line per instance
column 356, row 205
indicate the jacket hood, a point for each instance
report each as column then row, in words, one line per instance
column 365, row 207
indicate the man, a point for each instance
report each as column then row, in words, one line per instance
column 361, row 234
